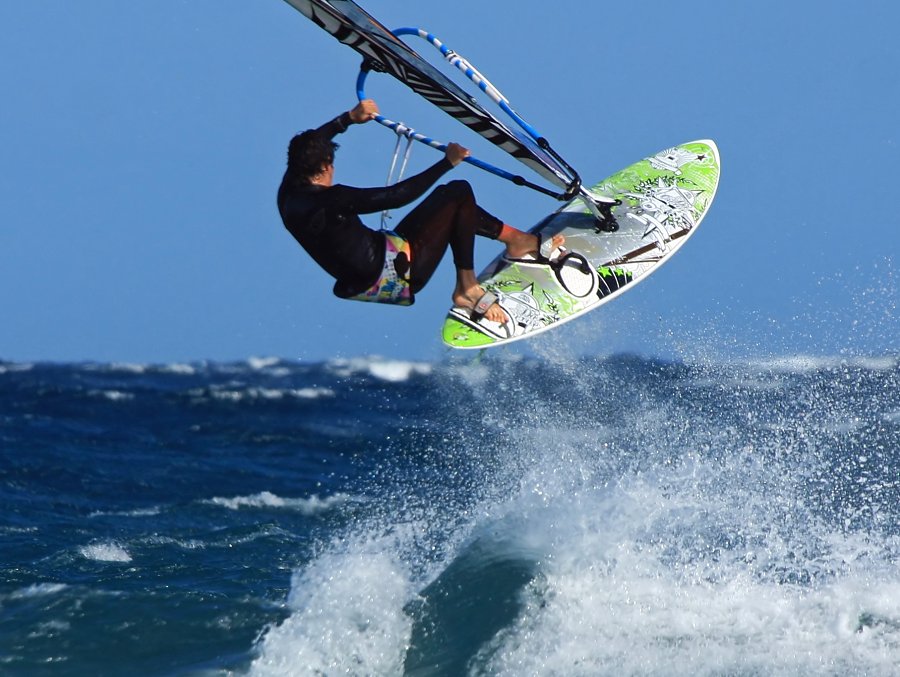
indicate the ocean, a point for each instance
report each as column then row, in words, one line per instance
column 501, row 515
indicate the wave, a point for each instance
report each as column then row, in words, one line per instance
column 108, row 551
column 233, row 394
column 348, row 619
column 393, row 371
column 260, row 363
column 15, row 367
column 112, row 395
column 626, row 581
column 184, row 544
column 38, row 590
column 620, row 516
column 522, row 515
column 657, row 578
column 266, row 499
column 138, row 512
column 280, row 375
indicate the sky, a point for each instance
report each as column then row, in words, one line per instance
column 142, row 144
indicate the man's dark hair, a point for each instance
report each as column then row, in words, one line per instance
column 309, row 152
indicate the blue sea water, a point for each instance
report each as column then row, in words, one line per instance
column 508, row 516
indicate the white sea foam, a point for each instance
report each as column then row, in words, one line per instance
column 38, row 590
column 810, row 363
column 584, row 622
column 394, row 371
column 14, row 367
column 109, row 551
column 475, row 376
column 691, row 553
column 178, row 368
column 259, row 363
column 112, row 395
column 632, row 581
column 272, row 366
column 236, row 392
column 232, row 394
column 347, row 618
column 185, row 544
column 140, row 512
column 311, row 393
column 128, row 367
column 50, row 628
column 709, row 564
column 266, row 499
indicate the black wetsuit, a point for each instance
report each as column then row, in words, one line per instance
column 325, row 221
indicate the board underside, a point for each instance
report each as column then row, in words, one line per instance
column 663, row 200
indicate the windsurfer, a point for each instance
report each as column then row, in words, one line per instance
column 390, row 266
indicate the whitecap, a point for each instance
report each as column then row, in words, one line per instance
column 38, row 590
column 266, row 499
column 49, row 628
column 249, row 393
column 238, row 395
column 13, row 367
column 112, row 395
column 394, row 371
column 397, row 371
column 312, row 393
column 139, row 512
column 348, row 618
column 109, row 551
column 630, row 583
column 128, row 367
column 259, row 363
column 180, row 369
column 227, row 395
column 190, row 544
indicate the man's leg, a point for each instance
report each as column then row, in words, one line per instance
column 449, row 217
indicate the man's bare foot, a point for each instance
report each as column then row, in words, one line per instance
column 469, row 299
column 526, row 243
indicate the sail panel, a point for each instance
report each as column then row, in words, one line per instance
column 354, row 27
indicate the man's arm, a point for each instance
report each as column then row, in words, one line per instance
column 362, row 112
column 371, row 200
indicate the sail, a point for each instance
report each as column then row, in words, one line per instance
column 354, row 27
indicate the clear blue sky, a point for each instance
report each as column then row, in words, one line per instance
column 142, row 144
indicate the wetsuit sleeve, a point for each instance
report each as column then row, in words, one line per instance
column 338, row 125
column 371, row 200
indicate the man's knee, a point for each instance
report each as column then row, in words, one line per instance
column 459, row 189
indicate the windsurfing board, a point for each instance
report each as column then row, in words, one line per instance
column 661, row 201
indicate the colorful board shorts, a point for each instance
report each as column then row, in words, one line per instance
column 390, row 287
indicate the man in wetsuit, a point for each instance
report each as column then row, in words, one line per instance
column 382, row 266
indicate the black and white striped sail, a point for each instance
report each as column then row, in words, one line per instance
column 354, row 27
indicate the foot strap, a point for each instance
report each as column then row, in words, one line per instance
column 485, row 302
column 542, row 255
